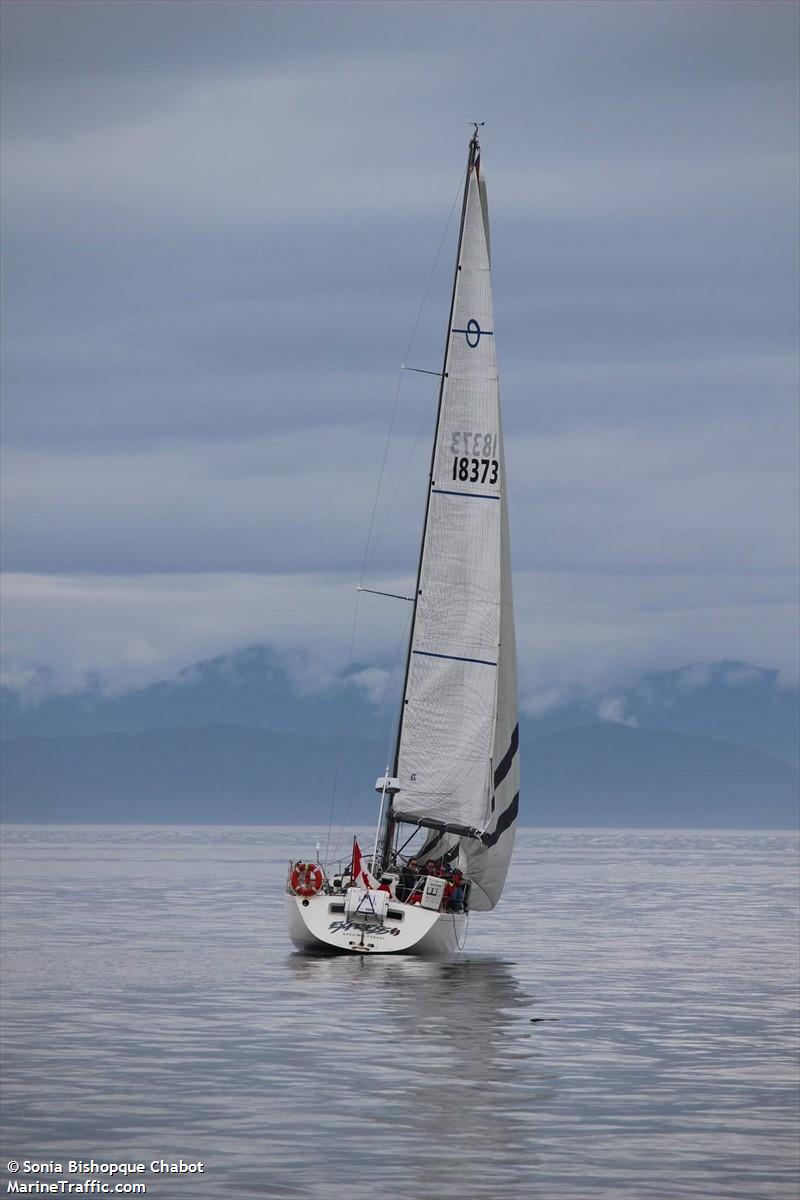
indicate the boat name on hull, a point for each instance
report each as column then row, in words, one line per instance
column 372, row 930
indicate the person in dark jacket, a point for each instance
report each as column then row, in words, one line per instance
column 408, row 879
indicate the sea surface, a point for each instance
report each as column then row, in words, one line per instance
column 623, row 1026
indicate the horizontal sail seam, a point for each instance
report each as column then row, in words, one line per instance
column 455, row 658
column 467, row 495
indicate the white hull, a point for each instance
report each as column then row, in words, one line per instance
column 319, row 924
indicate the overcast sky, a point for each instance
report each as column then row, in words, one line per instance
column 219, row 221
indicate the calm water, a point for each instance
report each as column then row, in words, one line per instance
column 623, row 1026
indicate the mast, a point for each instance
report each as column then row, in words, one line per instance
column 390, row 822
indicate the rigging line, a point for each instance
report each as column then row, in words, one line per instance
column 409, row 459
column 466, row 928
column 336, row 844
column 395, row 665
column 400, row 377
column 391, row 595
column 381, row 702
column 380, row 480
column 340, row 736
column 435, row 264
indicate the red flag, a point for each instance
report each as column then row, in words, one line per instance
column 361, row 875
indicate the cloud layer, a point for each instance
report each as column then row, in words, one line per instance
column 219, row 221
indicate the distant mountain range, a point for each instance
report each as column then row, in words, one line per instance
column 251, row 688
column 234, row 739
column 729, row 701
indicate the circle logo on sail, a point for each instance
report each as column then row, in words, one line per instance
column 473, row 333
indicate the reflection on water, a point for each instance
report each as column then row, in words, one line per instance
column 439, row 1055
column 622, row 1028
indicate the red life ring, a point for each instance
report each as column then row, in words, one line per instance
column 306, row 879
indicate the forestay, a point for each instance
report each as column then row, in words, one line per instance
column 457, row 757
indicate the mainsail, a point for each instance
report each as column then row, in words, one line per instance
column 457, row 760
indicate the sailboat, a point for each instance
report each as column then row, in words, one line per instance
column 450, row 801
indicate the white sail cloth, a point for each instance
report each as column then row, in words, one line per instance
column 459, row 716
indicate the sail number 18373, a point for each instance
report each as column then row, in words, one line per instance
column 475, row 458
column 476, row 470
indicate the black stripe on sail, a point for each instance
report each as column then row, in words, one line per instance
column 504, row 822
column 504, row 766
column 425, row 852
